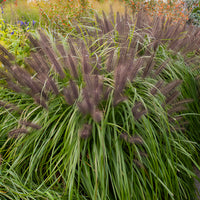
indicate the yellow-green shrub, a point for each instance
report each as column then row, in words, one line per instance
column 15, row 39
column 59, row 13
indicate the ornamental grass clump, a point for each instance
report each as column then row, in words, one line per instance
column 94, row 116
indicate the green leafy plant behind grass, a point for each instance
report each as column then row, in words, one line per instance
column 194, row 17
column 59, row 14
column 95, row 118
column 14, row 38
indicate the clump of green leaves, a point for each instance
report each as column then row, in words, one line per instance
column 15, row 39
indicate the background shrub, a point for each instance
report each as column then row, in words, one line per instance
column 59, row 14
column 176, row 10
column 194, row 16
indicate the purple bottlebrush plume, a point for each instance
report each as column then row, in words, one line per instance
column 138, row 110
column 98, row 88
column 174, row 31
column 106, row 93
column 156, row 88
column 5, row 52
column 171, row 97
column 192, row 40
column 133, row 47
column 92, row 95
column 123, row 38
column 71, row 92
column 43, row 79
column 35, row 43
column 180, row 126
column 185, row 101
column 33, row 64
column 142, row 154
column 141, row 20
column 99, row 23
column 97, row 115
column 73, row 68
column 123, row 73
column 178, row 106
column 122, row 27
column 44, row 38
column 118, row 19
column 52, row 84
column 9, row 106
column 87, row 68
column 88, row 81
column 46, row 46
column 38, row 63
column 13, row 75
column 60, row 47
column 86, row 131
column 138, row 163
column 25, row 80
column 17, row 132
column 175, row 118
column 149, row 66
column 155, row 44
column 74, row 89
column 30, row 124
column 175, row 45
column 107, row 25
column 177, row 128
column 120, row 78
column 170, row 87
column 156, row 28
column 176, row 109
column 14, row 86
column 68, row 96
column 94, row 87
column 193, row 60
column 132, row 139
column 10, row 83
column 83, row 107
column 89, row 101
column 72, row 49
column 118, row 98
column 109, row 63
column 161, row 67
column 134, row 68
column 5, row 61
column 63, row 53
column 39, row 100
column 123, row 54
column 184, row 123
column 111, row 15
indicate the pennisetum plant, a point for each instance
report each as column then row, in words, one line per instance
column 97, row 116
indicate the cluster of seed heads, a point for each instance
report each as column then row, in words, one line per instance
column 123, row 64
